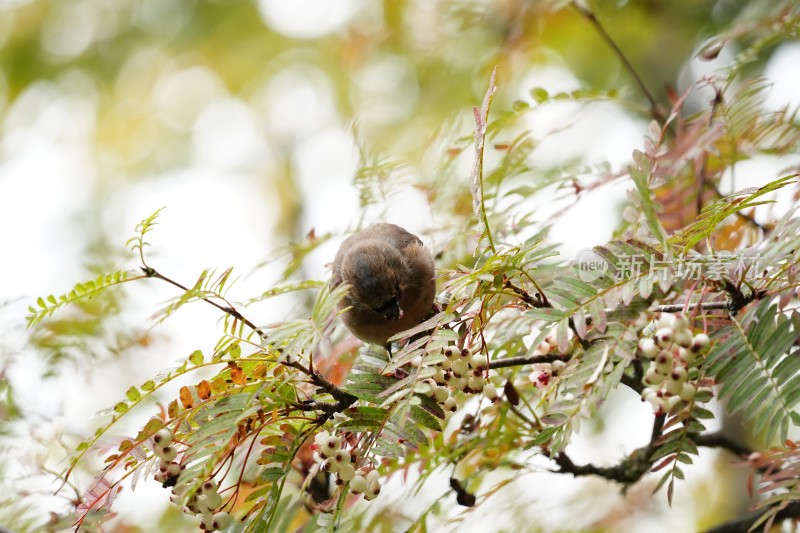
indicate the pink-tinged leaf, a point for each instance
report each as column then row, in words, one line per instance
column 670, row 491
column 562, row 335
column 676, row 107
column 100, row 495
column 487, row 99
column 654, row 131
column 645, row 287
column 784, row 300
column 628, row 293
column 599, row 319
column 478, row 123
column 665, row 462
column 579, row 319
column 598, row 370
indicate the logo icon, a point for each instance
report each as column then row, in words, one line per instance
column 591, row 265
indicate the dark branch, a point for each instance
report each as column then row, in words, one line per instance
column 526, row 360
column 677, row 308
column 628, row 472
column 323, row 383
column 658, row 426
column 718, row 440
column 638, row 463
column 745, row 522
column 738, row 298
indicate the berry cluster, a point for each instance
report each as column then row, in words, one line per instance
column 205, row 503
column 542, row 373
column 672, row 349
column 168, row 468
column 460, row 370
column 332, row 456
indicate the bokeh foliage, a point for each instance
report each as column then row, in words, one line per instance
column 120, row 57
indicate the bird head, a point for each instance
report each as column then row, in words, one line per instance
column 376, row 274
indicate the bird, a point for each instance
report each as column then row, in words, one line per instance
column 390, row 278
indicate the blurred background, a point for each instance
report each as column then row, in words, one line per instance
column 268, row 127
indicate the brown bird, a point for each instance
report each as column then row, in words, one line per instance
column 391, row 281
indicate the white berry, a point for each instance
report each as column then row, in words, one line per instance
column 477, row 362
column 221, row 520
column 664, row 337
column 163, row 437
column 683, row 337
column 489, row 391
column 346, row 472
column 700, row 343
column 648, row 348
column 687, row 392
column 359, row 485
column 460, row 368
column 440, row 394
column 167, row 454
column 450, row 404
column 451, row 352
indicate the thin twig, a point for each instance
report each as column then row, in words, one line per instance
column 344, row 399
column 229, row 309
column 592, row 18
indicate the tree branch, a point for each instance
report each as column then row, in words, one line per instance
column 638, row 463
column 343, row 398
column 745, row 522
column 628, row 472
column 718, row 440
column 526, row 360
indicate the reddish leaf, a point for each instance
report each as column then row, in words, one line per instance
column 204, row 390
column 186, row 397
column 237, row 376
column 665, row 462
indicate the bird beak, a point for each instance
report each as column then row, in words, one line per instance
column 394, row 313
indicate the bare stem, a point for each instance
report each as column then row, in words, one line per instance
column 592, row 18
column 229, row 309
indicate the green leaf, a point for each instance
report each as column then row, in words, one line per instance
column 758, row 376
column 196, row 358
column 133, row 394
column 539, row 95
column 714, row 214
column 424, row 418
column 272, row 474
